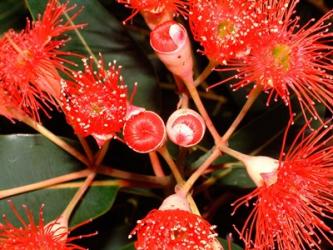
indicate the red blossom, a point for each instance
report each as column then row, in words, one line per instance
column 156, row 6
column 30, row 59
column 33, row 236
column 289, row 210
column 289, row 59
column 173, row 229
column 9, row 105
column 225, row 28
column 95, row 103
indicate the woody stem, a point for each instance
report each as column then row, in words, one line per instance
column 197, row 100
column 55, row 139
column 86, row 149
column 205, row 73
column 155, row 162
column 43, row 184
column 66, row 214
column 236, row 154
column 195, row 176
column 101, row 153
column 116, row 173
column 248, row 104
column 173, row 167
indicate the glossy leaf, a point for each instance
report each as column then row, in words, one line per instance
column 27, row 159
column 11, row 14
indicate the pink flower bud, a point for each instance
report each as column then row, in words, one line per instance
column 144, row 132
column 262, row 169
column 59, row 228
column 185, row 127
column 172, row 45
column 175, row 201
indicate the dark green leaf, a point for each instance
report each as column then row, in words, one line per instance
column 128, row 247
column 27, row 159
column 237, row 177
column 11, row 14
column 105, row 34
column 233, row 245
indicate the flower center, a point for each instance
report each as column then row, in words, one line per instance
column 225, row 28
column 23, row 57
column 281, row 54
column 96, row 109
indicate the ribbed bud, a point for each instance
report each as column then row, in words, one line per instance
column 144, row 132
column 185, row 127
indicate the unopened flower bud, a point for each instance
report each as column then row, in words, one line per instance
column 144, row 132
column 262, row 169
column 172, row 45
column 58, row 228
column 175, row 201
column 185, row 127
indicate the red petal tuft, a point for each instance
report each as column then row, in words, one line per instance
column 173, row 229
column 96, row 102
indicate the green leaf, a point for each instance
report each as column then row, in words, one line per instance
column 128, row 247
column 105, row 34
column 26, row 159
column 11, row 14
column 233, row 245
column 237, row 177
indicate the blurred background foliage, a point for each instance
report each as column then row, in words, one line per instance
column 116, row 210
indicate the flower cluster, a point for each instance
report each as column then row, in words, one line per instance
column 30, row 60
column 285, row 57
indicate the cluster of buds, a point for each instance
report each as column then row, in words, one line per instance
column 145, row 131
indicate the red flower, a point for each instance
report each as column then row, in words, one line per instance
column 173, row 229
column 32, row 236
column 226, row 29
column 156, row 6
column 96, row 102
column 29, row 59
column 9, row 105
column 293, row 200
column 289, row 58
